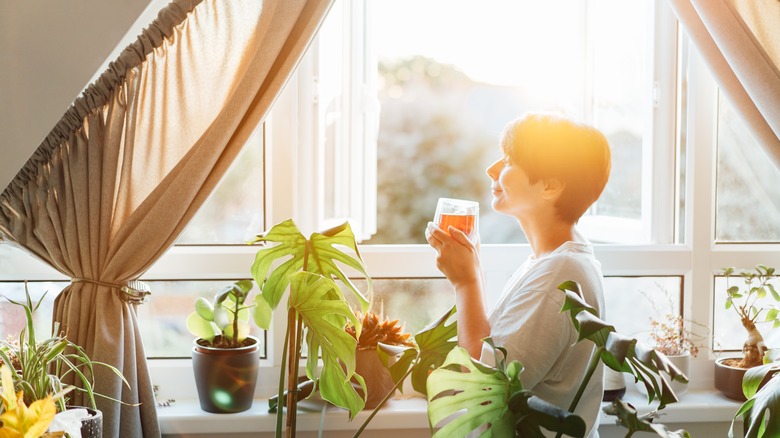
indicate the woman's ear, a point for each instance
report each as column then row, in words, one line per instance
column 552, row 188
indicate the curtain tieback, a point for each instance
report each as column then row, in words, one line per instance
column 133, row 292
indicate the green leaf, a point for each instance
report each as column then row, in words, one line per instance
column 321, row 306
column 628, row 418
column 773, row 291
column 482, row 391
column 771, row 314
column 201, row 328
column 434, row 342
column 262, row 312
column 762, row 408
column 490, row 396
column 318, row 255
column 204, row 308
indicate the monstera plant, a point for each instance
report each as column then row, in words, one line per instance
column 761, row 386
column 495, row 400
column 317, row 307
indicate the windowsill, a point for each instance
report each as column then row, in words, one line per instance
column 186, row 417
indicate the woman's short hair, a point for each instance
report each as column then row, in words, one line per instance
column 548, row 146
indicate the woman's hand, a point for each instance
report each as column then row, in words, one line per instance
column 457, row 257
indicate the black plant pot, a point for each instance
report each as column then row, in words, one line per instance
column 91, row 426
column 226, row 377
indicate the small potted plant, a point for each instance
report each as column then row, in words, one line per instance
column 671, row 338
column 225, row 358
column 376, row 330
column 40, row 367
column 751, row 302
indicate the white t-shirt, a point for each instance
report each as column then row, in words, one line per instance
column 529, row 324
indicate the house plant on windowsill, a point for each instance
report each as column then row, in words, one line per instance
column 670, row 337
column 376, row 330
column 750, row 304
column 317, row 306
column 39, row 367
column 225, row 359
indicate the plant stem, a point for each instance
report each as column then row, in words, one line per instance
column 594, row 363
column 292, row 378
column 384, row 400
column 280, row 398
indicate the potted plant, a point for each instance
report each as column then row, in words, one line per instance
column 18, row 419
column 316, row 306
column 225, row 358
column 40, row 366
column 376, row 331
column 751, row 303
column 672, row 338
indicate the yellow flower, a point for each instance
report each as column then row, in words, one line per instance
column 18, row 420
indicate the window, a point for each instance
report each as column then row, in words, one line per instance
column 432, row 91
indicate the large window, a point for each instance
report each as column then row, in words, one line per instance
column 398, row 103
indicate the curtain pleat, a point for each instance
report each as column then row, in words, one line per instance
column 738, row 39
column 127, row 167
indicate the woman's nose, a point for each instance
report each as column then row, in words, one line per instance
column 494, row 170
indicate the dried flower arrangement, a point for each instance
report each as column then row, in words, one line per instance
column 671, row 337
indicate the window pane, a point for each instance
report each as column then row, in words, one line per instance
column 447, row 94
column 728, row 333
column 632, row 302
column 163, row 319
column 234, row 212
column 748, row 196
column 414, row 302
column 12, row 317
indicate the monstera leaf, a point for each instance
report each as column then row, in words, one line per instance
column 432, row 344
column 318, row 255
column 321, row 306
column 628, row 418
column 493, row 399
column 619, row 352
column 761, row 411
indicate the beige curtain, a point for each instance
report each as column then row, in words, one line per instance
column 740, row 41
column 129, row 164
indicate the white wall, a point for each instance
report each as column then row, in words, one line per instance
column 49, row 51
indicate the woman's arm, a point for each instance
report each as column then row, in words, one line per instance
column 458, row 259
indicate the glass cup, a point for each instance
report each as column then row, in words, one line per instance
column 461, row 214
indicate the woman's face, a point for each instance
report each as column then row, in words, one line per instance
column 513, row 194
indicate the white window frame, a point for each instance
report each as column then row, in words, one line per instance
column 697, row 258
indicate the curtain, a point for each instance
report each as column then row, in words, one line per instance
column 740, row 42
column 131, row 161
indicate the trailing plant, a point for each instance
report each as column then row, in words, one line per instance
column 745, row 302
column 317, row 306
column 40, row 366
column 495, row 397
column 761, row 411
column 223, row 322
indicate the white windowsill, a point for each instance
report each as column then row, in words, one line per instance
column 185, row 416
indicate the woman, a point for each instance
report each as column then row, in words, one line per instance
column 551, row 171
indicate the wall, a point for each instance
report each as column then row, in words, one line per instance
column 49, row 51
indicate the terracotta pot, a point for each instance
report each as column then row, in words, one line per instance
column 377, row 377
column 226, row 377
